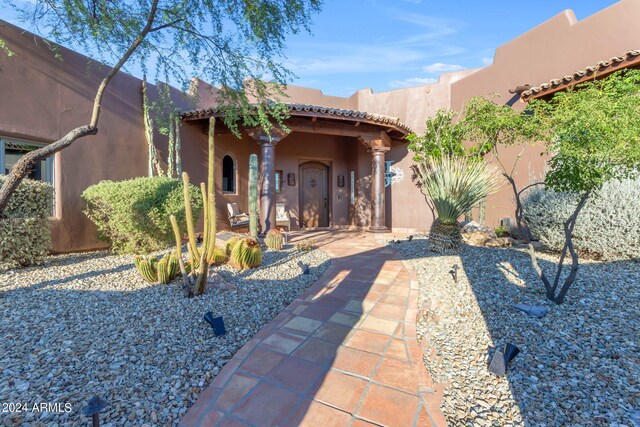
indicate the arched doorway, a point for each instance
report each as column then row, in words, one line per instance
column 314, row 195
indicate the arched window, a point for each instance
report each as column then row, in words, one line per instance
column 228, row 174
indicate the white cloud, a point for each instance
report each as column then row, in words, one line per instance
column 435, row 27
column 413, row 81
column 439, row 68
column 487, row 61
column 323, row 59
column 423, row 40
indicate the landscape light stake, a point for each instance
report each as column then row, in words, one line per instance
column 501, row 359
column 304, row 267
column 94, row 406
column 216, row 323
column 454, row 273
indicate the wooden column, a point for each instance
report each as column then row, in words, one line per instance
column 267, row 173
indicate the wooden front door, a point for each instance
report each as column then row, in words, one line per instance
column 314, row 195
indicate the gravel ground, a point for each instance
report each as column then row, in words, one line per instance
column 87, row 324
column 578, row 366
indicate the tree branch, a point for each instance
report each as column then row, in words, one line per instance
column 26, row 162
column 167, row 25
column 21, row 169
column 569, row 226
column 95, row 116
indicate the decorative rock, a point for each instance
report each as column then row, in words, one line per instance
column 478, row 238
column 578, row 366
column 304, row 267
column 474, row 227
column 151, row 336
column 498, row 364
column 501, row 359
column 533, row 310
column 499, row 242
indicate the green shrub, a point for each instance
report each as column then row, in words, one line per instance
column 32, row 199
column 608, row 226
column 306, row 245
column 502, row 231
column 25, row 236
column 133, row 215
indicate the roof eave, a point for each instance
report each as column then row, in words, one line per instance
column 631, row 59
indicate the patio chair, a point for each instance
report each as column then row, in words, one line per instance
column 237, row 219
column 283, row 219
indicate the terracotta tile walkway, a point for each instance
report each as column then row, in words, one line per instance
column 344, row 354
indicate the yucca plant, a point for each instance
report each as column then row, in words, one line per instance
column 454, row 185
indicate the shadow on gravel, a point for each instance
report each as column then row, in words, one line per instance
column 580, row 364
column 144, row 348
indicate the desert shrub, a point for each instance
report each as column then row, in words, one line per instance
column 32, row 199
column 608, row 226
column 133, row 215
column 25, row 236
column 306, row 245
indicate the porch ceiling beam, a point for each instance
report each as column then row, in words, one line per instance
column 362, row 131
column 381, row 141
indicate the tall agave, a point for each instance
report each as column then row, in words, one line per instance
column 454, row 185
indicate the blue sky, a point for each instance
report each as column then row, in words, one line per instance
column 388, row 44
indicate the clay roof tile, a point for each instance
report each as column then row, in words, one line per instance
column 320, row 110
column 602, row 66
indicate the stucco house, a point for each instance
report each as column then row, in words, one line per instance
column 344, row 162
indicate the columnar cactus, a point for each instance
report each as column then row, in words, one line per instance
column 253, row 196
column 246, row 254
column 195, row 278
column 274, row 239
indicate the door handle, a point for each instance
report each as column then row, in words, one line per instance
column 325, row 202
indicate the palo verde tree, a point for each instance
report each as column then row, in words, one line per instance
column 490, row 127
column 222, row 41
column 442, row 136
column 591, row 134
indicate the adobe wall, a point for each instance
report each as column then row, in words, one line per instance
column 33, row 76
column 42, row 98
column 551, row 50
column 405, row 206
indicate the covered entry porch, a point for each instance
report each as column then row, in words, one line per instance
column 324, row 166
